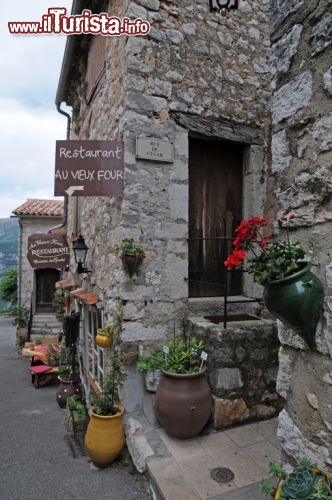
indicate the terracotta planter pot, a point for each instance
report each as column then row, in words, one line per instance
column 105, row 438
column 183, row 403
column 297, row 301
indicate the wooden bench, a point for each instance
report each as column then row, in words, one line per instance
column 42, row 374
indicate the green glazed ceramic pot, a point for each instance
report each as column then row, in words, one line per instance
column 297, row 301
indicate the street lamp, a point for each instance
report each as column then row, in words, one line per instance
column 80, row 250
column 224, row 6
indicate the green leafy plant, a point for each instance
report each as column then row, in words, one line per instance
column 103, row 401
column 107, row 331
column 20, row 316
column 271, row 260
column 153, row 361
column 306, row 482
column 53, row 354
column 59, row 298
column 129, row 247
column 77, row 408
column 67, row 372
column 8, row 286
column 184, row 355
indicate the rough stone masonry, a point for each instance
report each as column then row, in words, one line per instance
column 301, row 56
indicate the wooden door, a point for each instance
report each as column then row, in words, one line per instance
column 45, row 289
column 215, row 209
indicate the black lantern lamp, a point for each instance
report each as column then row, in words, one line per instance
column 80, row 250
column 224, row 6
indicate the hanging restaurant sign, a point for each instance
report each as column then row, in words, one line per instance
column 48, row 251
column 89, row 168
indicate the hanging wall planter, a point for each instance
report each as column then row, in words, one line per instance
column 132, row 254
column 132, row 262
column 104, row 337
column 292, row 292
column 297, row 301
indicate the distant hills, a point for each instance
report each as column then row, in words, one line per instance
column 9, row 231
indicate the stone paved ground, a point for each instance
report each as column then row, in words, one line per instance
column 36, row 461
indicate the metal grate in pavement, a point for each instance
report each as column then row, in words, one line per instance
column 76, row 446
column 222, row 475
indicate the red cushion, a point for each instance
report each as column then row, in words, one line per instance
column 40, row 368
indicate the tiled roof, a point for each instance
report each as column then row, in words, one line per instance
column 48, row 208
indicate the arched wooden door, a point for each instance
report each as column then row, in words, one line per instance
column 45, row 288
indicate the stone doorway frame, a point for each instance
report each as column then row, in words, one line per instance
column 255, row 142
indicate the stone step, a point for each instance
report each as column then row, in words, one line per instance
column 45, row 324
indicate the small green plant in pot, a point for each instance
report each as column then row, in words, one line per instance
column 306, row 482
column 150, row 366
column 77, row 417
column 131, row 253
column 183, row 400
column 105, row 438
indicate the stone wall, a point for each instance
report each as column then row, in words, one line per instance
column 193, row 62
column 301, row 56
column 242, row 369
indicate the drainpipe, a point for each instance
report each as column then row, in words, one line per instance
column 65, row 201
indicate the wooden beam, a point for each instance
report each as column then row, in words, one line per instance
column 219, row 129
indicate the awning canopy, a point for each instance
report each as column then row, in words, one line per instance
column 87, row 298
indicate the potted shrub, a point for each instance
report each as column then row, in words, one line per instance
column 68, row 375
column 292, row 292
column 105, row 438
column 104, row 336
column 21, row 321
column 59, row 301
column 132, row 254
column 150, row 366
column 306, row 482
column 77, row 417
column 183, row 400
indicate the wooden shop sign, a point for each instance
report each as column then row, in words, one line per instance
column 48, row 251
column 89, row 168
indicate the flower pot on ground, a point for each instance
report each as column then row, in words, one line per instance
column 150, row 366
column 20, row 320
column 105, row 438
column 306, row 482
column 104, row 337
column 183, row 400
column 69, row 384
column 291, row 291
column 77, row 417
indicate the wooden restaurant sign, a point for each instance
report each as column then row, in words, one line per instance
column 48, row 251
column 89, row 168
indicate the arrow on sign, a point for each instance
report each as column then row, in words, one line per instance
column 71, row 189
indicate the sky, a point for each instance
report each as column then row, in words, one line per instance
column 29, row 122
